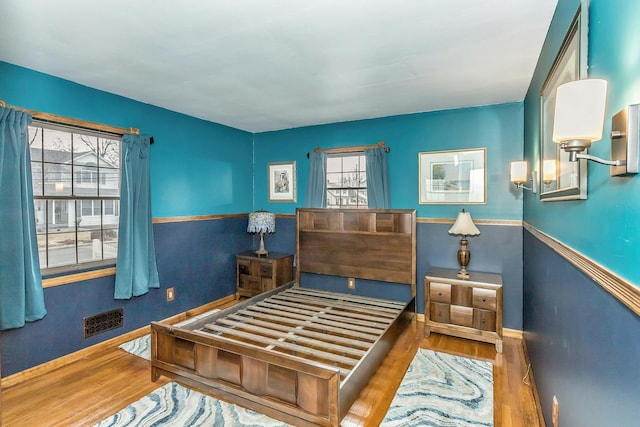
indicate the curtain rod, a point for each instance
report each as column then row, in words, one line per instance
column 352, row 149
column 74, row 122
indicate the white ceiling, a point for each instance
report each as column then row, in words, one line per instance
column 261, row 65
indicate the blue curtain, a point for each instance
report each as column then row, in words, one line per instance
column 136, row 269
column 377, row 178
column 21, row 294
column 317, row 186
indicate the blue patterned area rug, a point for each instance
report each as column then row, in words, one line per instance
column 141, row 347
column 177, row 406
column 441, row 389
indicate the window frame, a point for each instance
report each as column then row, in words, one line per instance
column 77, row 177
column 361, row 172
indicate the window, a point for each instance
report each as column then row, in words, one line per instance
column 346, row 181
column 76, row 189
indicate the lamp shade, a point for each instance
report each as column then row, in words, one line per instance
column 261, row 222
column 464, row 225
column 519, row 171
column 579, row 110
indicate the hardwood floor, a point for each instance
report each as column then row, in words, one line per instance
column 86, row 391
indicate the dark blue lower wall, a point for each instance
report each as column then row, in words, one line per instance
column 584, row 344
column 195, row 257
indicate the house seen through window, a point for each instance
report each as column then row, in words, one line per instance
column 76, row 189
column 346, row 181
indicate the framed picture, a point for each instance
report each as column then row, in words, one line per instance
column 456, row 176
column 570, row 178
column 282, row 182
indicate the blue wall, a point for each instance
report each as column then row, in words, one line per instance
column 196, row 258
column 499, row 128
column 612, row 205
column 193, row 172
column 583, row 343
column 201, row 168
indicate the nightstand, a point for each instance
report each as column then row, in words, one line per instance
column 256, row 274
column 467, row 308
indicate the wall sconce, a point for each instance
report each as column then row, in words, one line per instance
column 519, row 176
column 464, row 227
column 579, row 119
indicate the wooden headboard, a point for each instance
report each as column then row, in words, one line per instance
column 374, row 244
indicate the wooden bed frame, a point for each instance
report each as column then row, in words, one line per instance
column 302, row 355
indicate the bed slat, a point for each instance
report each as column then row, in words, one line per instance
column 330, row 309
column 291, row 336
column 293, row 347
column 299, row 330
column 321, row 314
column 317, row 322
column 393, row 305
column 386, row 313
column 308, row 323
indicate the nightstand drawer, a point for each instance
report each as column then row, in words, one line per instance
column 484, row 320
column 250, row 283
column 440, row 292
column 244, row 267
column 266, row 269
column 484, row 298
column 439, row 312
column 462, row 316
column 461, row 295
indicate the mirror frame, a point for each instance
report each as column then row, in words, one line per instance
column 570, row 64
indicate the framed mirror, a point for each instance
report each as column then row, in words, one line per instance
column 561, row 179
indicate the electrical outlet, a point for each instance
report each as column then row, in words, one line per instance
column 555, row 412
column 351, row 283
column 171, row 294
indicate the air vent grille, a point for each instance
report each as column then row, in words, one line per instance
column 102, row 322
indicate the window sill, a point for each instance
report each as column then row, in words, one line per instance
column 78, row 277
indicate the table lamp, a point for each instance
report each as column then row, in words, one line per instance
column 261, row 222
column 464, row 227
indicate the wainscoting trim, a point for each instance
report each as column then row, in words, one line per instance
column 507, row 222
column 624, row 291
column 195, row 218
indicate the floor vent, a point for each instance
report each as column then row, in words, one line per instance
column 102, row 322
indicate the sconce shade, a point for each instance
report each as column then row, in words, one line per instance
column 579, row 111
column 519, row 172
column 549, row 171
column 261, row 222
column 464, row 225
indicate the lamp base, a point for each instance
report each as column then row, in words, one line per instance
column 262, row 251
column 464, row 256
column 463, row 274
